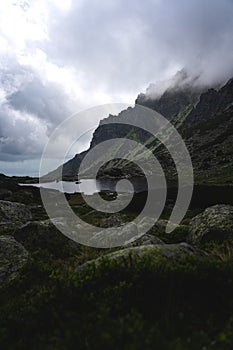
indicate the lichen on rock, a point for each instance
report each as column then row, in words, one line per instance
column 13, row 215
column 214, row 224
column 13, row 257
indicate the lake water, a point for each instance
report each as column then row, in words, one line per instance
column 203, row 195
column 91, row 186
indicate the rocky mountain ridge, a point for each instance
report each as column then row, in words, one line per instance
column 203, row 117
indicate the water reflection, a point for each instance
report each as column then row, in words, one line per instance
column 91, row 186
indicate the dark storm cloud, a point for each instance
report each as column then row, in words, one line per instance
column 22, row 137
column 127, row 44
column 115, row 47
column 29, row 111
column 44, row 101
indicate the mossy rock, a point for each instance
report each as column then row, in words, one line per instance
column 214, row 224
column 153, row 254
column 13, row 215
column 13, row 257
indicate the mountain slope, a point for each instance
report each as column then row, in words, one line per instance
column 204, row 119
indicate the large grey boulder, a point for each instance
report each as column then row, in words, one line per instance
column 13, row 215
column 13, row 257
column 214, row 224
column 153, row 253
column 44, row 235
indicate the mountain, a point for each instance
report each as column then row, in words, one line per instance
column 202, row 115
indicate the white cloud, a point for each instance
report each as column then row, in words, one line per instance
column 58, row 57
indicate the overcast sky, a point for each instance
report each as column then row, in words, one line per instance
column 58, row 57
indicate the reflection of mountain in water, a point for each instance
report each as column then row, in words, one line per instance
column 91, row 186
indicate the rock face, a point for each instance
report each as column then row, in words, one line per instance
column 13, row 215
column 13, row 258
column 129, row 256
column 180, row 95
column 210, row 104
column 44, row 235
column 214, row 224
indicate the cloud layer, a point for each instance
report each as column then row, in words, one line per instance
column 58, row 57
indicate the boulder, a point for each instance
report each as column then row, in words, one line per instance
column 13, row 215
column 13, row 257
column 110, row 237
column 44, row 235
column 126, row 235
column 214, row 224
column 153, row 253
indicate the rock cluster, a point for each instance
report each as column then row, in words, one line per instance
column 213, row 224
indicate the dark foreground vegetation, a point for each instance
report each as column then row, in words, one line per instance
column 177, row 297
column 186, row 305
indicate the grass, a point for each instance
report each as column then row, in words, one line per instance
column 222, row 251
column 187, row 305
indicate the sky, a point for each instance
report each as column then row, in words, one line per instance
column 60, row 57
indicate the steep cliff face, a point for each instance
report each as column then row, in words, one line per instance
column 204, row 119
column 211, row 103
column 175, row 103
column 210, row 145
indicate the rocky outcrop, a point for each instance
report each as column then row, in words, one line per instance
column 173, row 100
column 44, row 235
column 214, row 224
column 211, row 103
column 13, row 215
column 13, row 257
